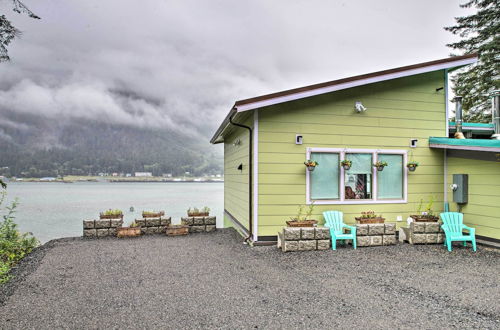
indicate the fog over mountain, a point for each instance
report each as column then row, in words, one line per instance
column 168, row 71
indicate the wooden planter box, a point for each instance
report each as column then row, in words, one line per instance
column 369, row 220
column 199, row 214
column 177, row 230
column 103, row 216
column 303, row 223
column 128, row 231
column 422, row 218
column 153, row 214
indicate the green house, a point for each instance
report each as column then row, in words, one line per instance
column 385, row 116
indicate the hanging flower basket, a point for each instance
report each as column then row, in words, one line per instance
column 311, row 164
column 346, row 164
column 412, row 166
column 380, row 165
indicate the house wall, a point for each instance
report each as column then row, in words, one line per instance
column 398, row 110
column 236, row 181
column 483, row 208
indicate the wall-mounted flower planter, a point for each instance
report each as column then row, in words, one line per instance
column 346, row 167
column 380, row 168
column 311, row 168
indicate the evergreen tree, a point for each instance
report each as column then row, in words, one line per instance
column 8, row 32
column 480, row 33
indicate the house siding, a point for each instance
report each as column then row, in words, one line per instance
column 236, row 181
column 483, row 208
column 398, row 110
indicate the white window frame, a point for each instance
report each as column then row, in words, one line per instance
column 342, row 152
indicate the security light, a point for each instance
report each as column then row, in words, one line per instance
column 359, row 107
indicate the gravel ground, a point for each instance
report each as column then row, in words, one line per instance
column 215, row 281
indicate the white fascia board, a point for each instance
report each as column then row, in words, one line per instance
column 356, row 83
column 454, row 147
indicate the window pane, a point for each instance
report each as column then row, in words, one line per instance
column 358, row 179
column 390, row 180
column 325, row 178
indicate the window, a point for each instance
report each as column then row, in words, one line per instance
column 325, row 179
column 329, row 183
column 358, row 179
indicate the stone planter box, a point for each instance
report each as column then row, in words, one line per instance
column 304, row 239
column 375, row 234
column 101, row 227
column 200, row 224
column 303, row 223
column 422, row 233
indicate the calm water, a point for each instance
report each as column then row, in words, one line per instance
column 54, row 210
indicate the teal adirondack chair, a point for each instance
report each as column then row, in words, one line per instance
column 334, row 221
column 453, row 226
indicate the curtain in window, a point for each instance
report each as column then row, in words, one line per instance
column 361, row 163
column 390, row 180
column 325, row 178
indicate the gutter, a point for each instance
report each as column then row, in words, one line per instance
column 250, row 177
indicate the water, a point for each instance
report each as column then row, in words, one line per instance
column 54, row 210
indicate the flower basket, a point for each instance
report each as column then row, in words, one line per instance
column 412, row 168
column 369, row 220
column 301, row 223
column 128, row 231
column 311, row 164
column 153, row 214
column 424, row 218
column 346, row 167
column 311, row 168
column 177, row 230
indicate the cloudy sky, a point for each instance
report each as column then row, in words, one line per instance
column 182, row 64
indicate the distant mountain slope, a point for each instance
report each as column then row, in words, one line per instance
column 36, row 146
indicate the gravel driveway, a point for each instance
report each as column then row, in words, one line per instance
column 214, row 281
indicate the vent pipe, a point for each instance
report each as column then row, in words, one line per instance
column 458, row 117
column 495, row 114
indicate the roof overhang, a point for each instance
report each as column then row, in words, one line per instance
column 465, row 144
column 340, row 84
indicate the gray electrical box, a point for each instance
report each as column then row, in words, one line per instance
column 461, row 193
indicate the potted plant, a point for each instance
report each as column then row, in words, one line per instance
column 346, row 164
column 412, row 166
column 369, row 217
column 193, row 212
column 311, row 164
column 427, row 215
column 380, row 165
column 302, row 219
column 205, row 211
column 133, row 230
column 177, row 230
column 111, row 214
column 152, row 214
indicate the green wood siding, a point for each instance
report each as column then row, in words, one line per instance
column 483, row 209
column 236, row 181
column 398, row 110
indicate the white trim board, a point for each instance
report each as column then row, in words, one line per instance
column 333, row 88
column 255, row 175
column 342, row 152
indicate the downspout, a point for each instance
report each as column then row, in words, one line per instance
column 250, row 178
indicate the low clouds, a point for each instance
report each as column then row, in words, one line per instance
column 180, row 65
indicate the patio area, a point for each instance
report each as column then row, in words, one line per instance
column 215, row 281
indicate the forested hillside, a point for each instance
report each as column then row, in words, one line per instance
column 35, row 147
